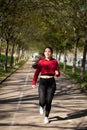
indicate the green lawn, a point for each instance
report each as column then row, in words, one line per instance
column 75, row 77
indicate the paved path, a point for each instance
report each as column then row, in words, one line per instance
column 19, row 108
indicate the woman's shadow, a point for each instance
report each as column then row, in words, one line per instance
column 74, row 115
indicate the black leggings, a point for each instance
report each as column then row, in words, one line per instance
column 47, row 89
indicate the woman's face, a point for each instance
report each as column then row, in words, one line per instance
column 47, row 53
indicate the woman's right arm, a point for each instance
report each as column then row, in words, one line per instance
column 36, row 76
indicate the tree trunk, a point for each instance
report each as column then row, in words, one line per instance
column 59, row 55
column 0, row 46
column 82, row 75
column 18, row 54
column 12, row 51
column 6, row 56
column 65, row 60
column 75, row 56
column 56, row 53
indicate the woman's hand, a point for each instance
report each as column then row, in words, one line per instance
column 56, row 72
column 33, row 86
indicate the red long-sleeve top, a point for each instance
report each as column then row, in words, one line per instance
column 46, row 67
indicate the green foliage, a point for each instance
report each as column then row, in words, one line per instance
column 43, row 21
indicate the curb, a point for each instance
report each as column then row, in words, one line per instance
column 8, row 76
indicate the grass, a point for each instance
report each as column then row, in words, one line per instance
column 21, row 63
column 2, row 59
column 75, row 77
column 4, row 74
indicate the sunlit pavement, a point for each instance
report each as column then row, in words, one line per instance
column 19, row 108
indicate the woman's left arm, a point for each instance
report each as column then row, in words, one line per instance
column 57, row 70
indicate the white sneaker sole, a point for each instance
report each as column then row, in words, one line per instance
column 46, row 120
column 41, row 111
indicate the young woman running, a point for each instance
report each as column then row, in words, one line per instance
column 47, row 67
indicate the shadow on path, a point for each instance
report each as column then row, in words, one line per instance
column 74, row 115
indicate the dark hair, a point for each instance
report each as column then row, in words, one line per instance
column 50, row 49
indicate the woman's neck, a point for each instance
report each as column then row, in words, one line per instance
column 48, row 58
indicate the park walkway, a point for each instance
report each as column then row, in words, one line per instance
column 19, row 108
